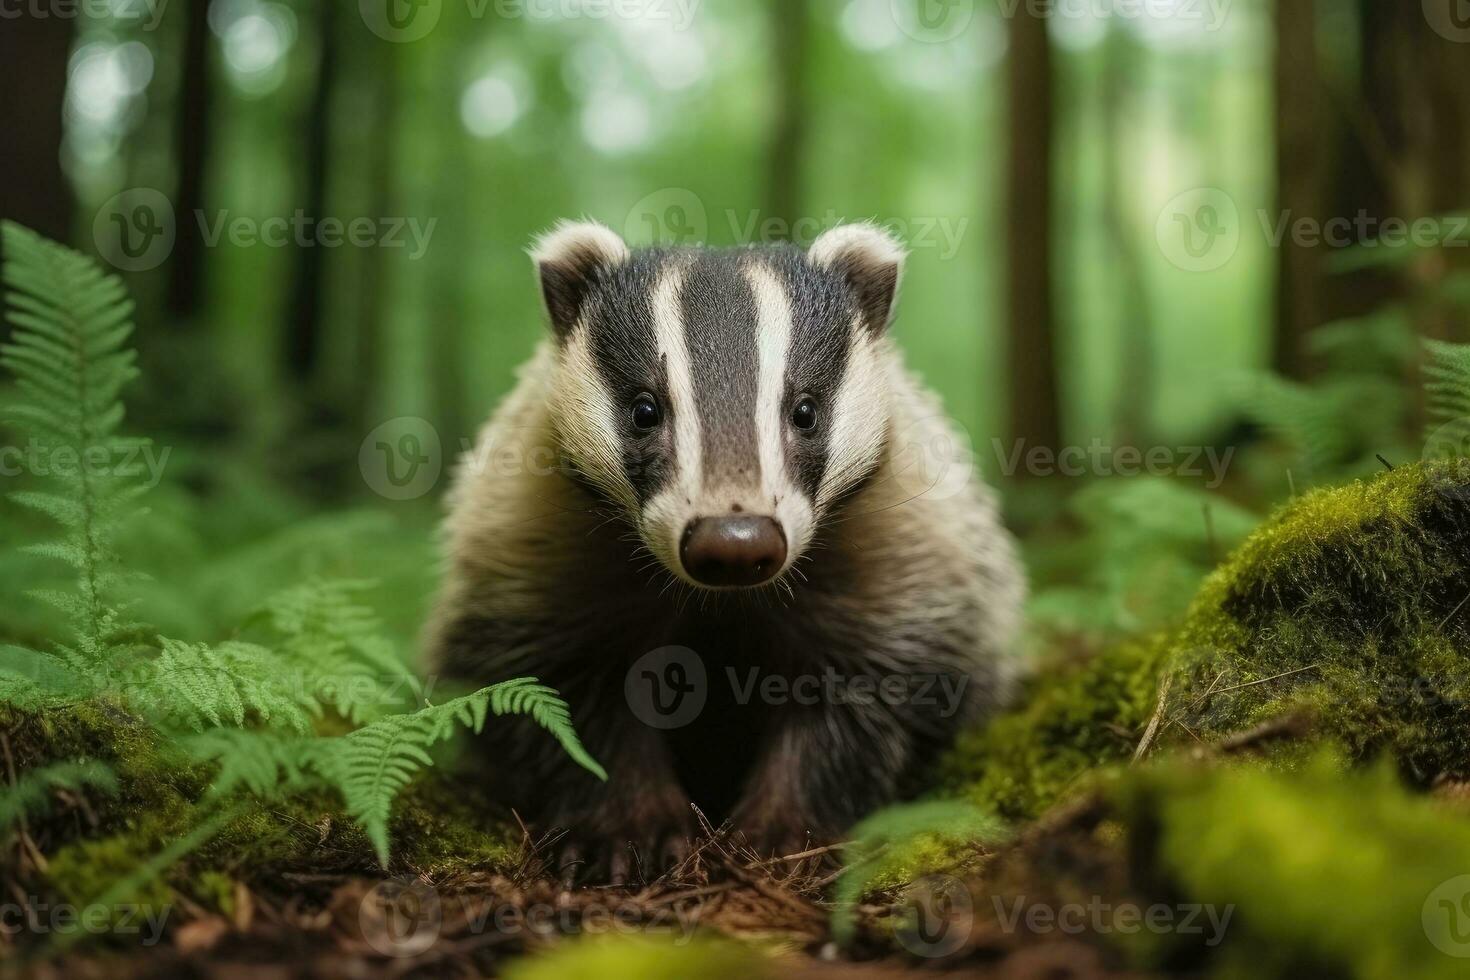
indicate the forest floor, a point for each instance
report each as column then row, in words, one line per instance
column 479, row 923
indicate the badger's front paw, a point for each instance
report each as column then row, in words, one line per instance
column 776, row 832
column 622, row 838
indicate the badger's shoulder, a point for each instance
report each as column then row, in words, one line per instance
column 923, row 539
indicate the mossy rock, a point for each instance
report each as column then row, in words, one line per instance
column 1329, row 870
column 1350, row 606
column 1347, row 606
column 1227, row 868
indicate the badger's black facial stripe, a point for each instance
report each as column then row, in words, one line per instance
column 719, row 313
column 822, row 315
column 621, row 333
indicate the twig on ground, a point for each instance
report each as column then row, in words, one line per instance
column 1152, row 731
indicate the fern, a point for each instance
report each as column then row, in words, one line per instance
column 1447, row 385
column 373, row 764
column 337, row 642
column 33, row 680
column 31, row 794
column 195, row 686
column 250, row 705
column 68, row 356
column 269, row 765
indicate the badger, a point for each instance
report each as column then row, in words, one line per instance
column 716, row 476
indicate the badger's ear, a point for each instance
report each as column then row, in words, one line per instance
column 569, row 260
column 871, row 261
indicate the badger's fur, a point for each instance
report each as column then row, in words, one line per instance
column 572, row 528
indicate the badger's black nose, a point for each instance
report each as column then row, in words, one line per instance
column 733, row 550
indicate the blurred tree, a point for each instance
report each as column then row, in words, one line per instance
column 33, row 190
column 1135, row 350
column 191, row 152
column 1301, row 173
column 1035, row 413
column 790, row 29
column 304, row 341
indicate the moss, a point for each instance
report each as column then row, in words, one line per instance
column 86, row 870
column 1348, row 604
column 1070, row 719
column 151, row 779
column 442, row 826
column 216, row 891
column 647, row 959
column 1328, row 873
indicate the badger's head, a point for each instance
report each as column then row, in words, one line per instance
column 725, row 399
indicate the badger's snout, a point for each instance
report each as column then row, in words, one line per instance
column 738, row 551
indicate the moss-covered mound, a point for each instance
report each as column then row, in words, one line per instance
column 1072, row 718
column 1325, row 874
column 97, row 846
column 1227, row 868
column 1347, row 607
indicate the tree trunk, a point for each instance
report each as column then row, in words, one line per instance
column 1035, row 414
column 789, row 35
column 1300, row 182
column 304, row 342
column 1136, row 370
column 33, row 189
column 191, row 148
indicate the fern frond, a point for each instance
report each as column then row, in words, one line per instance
column 525, row 696
column 30, row 679
column 372, row 765
column 1447, row 369
column 196, row 686
column 1447, row 386
column 31, row 794
column 267, row 764
column 1333, row 425
column 68, row 355
column 335, row 641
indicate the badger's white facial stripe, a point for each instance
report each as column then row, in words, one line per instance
column 668, row 326
column 666, row 514
column 587, row 420
column 773, row 345
column 859, row 416
column 774, row 329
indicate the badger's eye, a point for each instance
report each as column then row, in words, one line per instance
column 804, row 415
column 645, row 413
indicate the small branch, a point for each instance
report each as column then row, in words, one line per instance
column 1267, row 680
column 1152, row 731
column 1290, row 726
